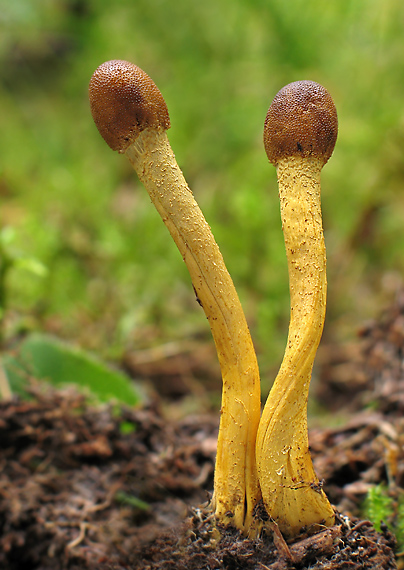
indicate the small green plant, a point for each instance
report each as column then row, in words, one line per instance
column 44, row 357
column 385, row 506
column 12, row 258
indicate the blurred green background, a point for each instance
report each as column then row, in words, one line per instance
column 114, row 281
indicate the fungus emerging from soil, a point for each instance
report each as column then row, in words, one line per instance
column 299, row 136
column 132, row 117
column 268, row 456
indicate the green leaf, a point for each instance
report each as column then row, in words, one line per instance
column 47, row 358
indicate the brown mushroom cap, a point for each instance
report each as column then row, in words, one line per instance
column 301, row 121
column 124, row 101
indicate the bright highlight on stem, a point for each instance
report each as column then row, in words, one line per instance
column 132, row 117
column 299, row 136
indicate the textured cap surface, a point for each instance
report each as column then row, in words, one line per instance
column 124, row 101
column 301, row 121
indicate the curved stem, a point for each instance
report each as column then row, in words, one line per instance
column 236, row 489
column 290, row 489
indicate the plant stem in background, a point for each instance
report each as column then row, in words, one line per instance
column 300, row 133
column 132, row 117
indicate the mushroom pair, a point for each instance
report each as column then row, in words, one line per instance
column 257, row 457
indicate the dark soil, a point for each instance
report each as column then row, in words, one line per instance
column 96, row 487
column 202, row 546
column 369, row 372
column 76, row 491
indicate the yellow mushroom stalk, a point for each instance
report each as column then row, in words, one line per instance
column 299, row 136
column 132, row 117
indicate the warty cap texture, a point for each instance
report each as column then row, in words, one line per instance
column 124, row 101
column 301, row 121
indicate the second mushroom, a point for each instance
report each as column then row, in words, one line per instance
column 299, row 136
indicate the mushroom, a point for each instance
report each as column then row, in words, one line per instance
column 131, row 115
column 299, row 136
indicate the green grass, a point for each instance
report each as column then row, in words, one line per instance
column 114, row 279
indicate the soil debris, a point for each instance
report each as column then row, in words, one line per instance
column 79, row 484
column 344, row 546
column 368, row 373
column 97, row 487
column 87, row 487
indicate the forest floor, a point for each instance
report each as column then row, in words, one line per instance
column 88, row 487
